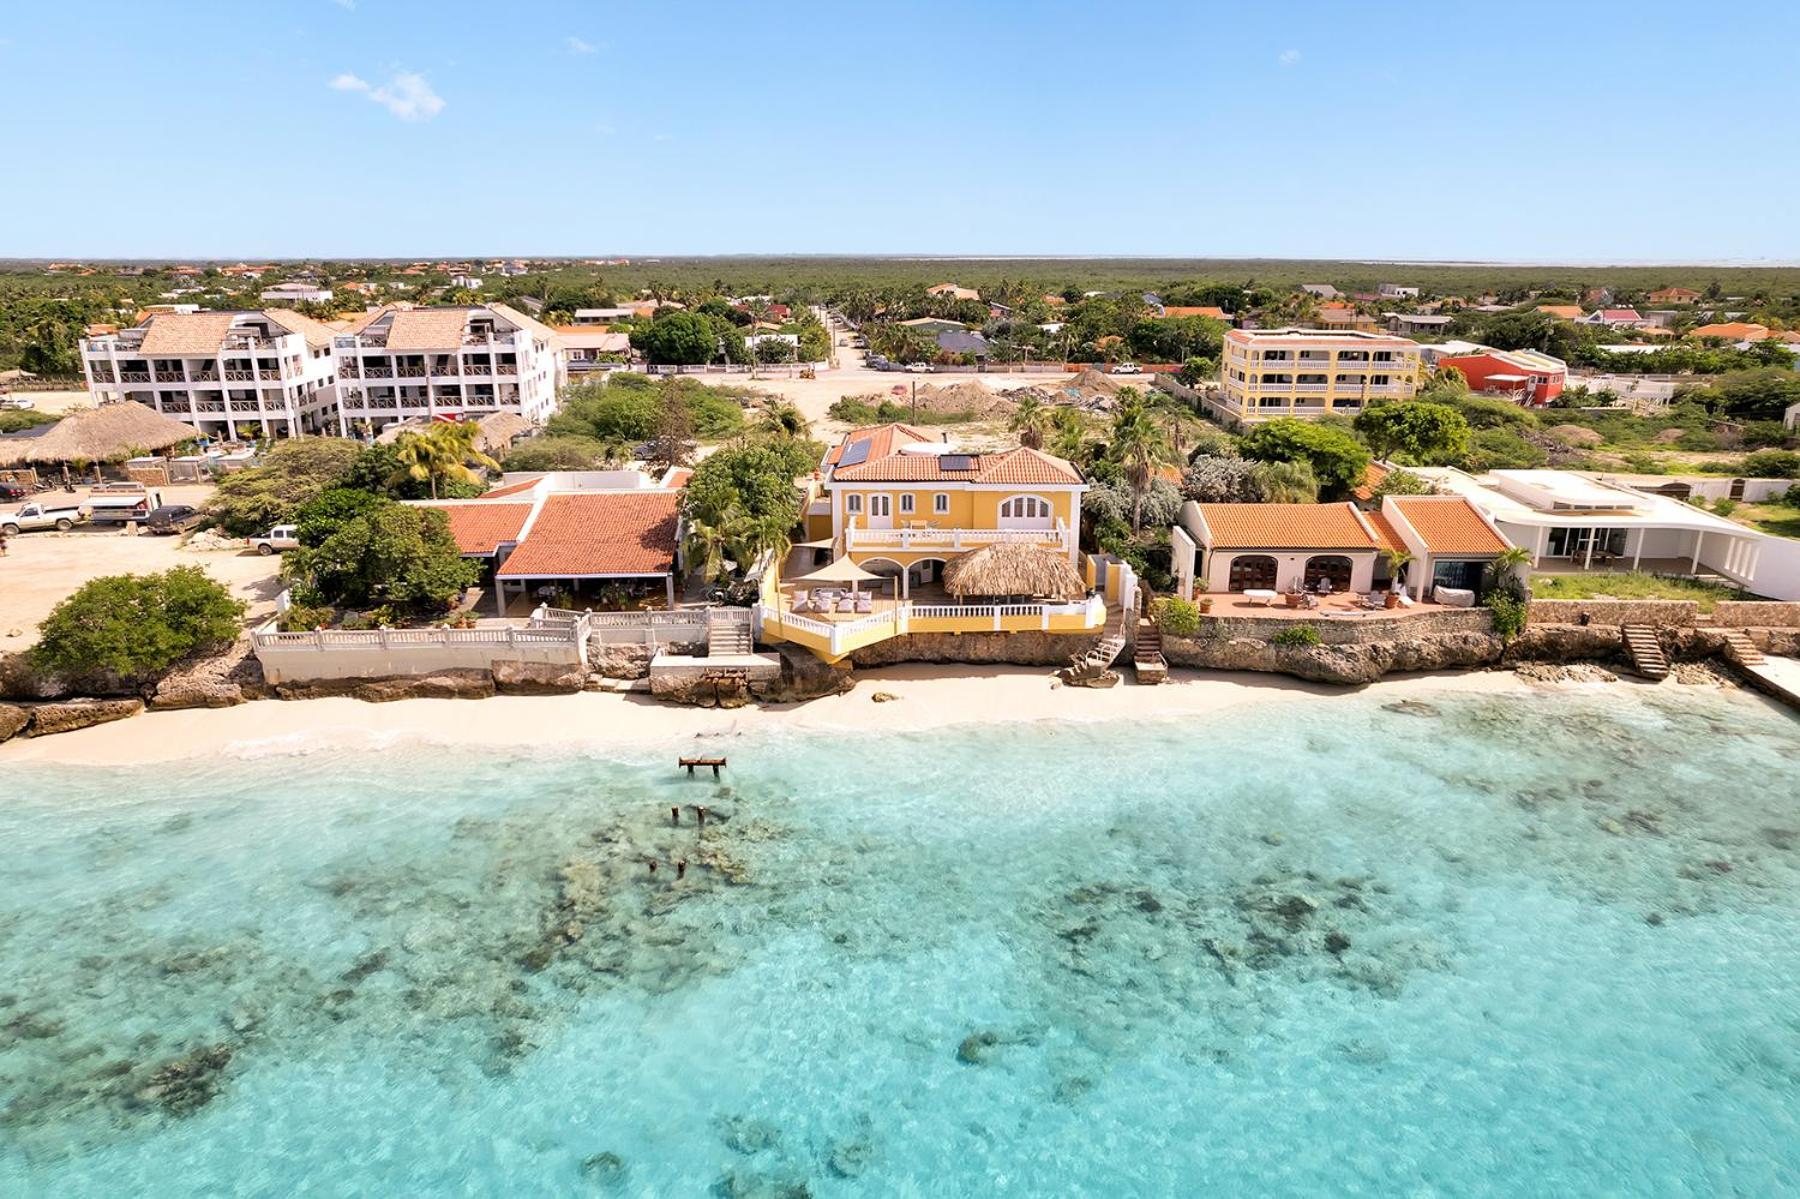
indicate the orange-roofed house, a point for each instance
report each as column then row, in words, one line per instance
column 1732, row 331
column 1211, row 312
column 584, row 534
column 1674, row 295
column 1271, row 549
column 1563, row 312
column 902, row 505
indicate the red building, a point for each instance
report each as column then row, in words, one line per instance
column 1527, row 376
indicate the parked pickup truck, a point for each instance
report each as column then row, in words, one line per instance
column 118, row 503
column 281, row 537
column 40, row 516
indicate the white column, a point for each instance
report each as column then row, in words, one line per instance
column 1537, row 544
column 1699, row 540
column 1637, row 549
column 1587, row 561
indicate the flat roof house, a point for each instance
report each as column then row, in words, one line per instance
column 1571, row 523
column 1528, row 376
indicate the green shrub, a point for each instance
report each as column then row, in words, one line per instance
column 1771, row 464
column 289, row 474
column 137, row 626
column 328, row 511
column 393, row 554
column 1725, row 506
column 558, row 453
column 304, row 618
column 1300, row 634
column 1509, row 613
column 1176, row 617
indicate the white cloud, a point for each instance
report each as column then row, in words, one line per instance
column 1288, row 58
column 407, row 95
column 577, row 46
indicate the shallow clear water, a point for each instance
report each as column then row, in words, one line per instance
column 1539, row 944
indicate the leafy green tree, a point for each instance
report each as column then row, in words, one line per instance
column 330, row 510
column 444, row 453
column 1220, row 479
column 137, row 626
column 1196, row 371
column 620, row 410
column 688, row 339
column 394, row 554
column 1337, row 458
column 1402, row 482
column 673, row 442
column 1139, row 446
column 1286, row 482
column 1425, row 433
column 1031, row 421
column 560, row 453
column 743, row 500
column 270, row 493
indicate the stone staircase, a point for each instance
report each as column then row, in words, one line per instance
column 1740, row 649
column 1147, row 655
column 1094, row 668
column 728, row 638
column 1645, row 651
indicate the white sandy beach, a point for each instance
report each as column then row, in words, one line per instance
column 926, row 697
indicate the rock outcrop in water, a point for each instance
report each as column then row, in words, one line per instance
column 67, row 716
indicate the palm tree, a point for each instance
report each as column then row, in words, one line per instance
column 1031, row 422
column 1139, row 446
column 711, row 545
column 1397, row 560
column 1287, row 482
column 1070, row 440
column 782, row 417
column 444, row 451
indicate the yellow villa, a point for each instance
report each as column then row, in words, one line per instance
column 908, row 533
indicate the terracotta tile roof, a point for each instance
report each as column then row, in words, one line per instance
column 1620, row 314
column 480, row 528
column 1022, row 465
column 509, row 489
column 1384, row 532
column 598, row 533
column 1674, row 293
column 530, row 324
column 178, row 333
column 427, row 329
column 1568, row 312
column 1018, row 466
column 1448, row 524
column 318, row 335
column 1217, row 314
column 1287, row 527
column 1373, row 474
column 1732, row 331
column 882, row 440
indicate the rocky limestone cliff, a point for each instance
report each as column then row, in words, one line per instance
column 993, row 649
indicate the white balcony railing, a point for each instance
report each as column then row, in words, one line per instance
column 954, row 540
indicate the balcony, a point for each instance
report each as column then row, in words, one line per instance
column 134, row 376
column 378, row 372
column 170, row 377
column 206, row 375
column 834, row 634
column 410, row 372
column 928, row 538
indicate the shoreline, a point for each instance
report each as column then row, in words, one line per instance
column 926, row 697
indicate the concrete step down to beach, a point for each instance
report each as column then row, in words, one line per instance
column 1645, row 651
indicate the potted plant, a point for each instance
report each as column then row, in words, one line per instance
column 1201, row 597
column 1293, row 599
column 1396, row 560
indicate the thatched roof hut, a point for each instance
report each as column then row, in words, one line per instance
column 1012, row 569
column 103, row 434
column 493, row 432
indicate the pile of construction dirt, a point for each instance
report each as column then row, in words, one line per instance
column 956, row 399
column 1575, row 435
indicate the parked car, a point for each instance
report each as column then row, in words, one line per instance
column 281, row 537
column 172, row 518
column 918, row 368
column 61, row 517
column 12, row 491
column 15, row 403
column 1128, row 368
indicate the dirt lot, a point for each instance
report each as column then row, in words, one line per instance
column 42, row 568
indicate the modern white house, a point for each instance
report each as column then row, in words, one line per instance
column 446, row 363
column 1574, row 522
column 267, row 373
column 295, row 293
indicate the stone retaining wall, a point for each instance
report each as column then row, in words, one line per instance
column 1361, row 629
column 1012, row 649
column 1659, row 614
column 1763, row 614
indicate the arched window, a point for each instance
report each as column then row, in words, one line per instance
column 1251, row 572
column 1026, row 512
column 1332, row 568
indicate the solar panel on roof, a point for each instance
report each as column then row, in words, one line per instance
column 856, row 453
column 957, row 462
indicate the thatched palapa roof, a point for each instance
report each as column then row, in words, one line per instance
column 1012, row 569
column 98, row 435
column 493, row 432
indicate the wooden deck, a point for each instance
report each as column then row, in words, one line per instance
column 1330, row 606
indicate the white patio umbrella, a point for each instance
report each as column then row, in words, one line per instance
column 840, row 570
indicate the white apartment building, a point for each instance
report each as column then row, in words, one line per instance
column 229, row 374
column 1270, row 373
column 398, row 363
column 296, row 293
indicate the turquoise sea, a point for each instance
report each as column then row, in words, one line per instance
column 1542, row 944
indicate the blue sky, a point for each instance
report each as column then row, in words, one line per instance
column 1518, row 131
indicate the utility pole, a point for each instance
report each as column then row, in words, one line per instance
column 915, row 401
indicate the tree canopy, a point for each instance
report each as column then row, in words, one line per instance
column 392, row 554
column 137, row 626
column 1337, row 458
column 289, row 474
column 1419, row 431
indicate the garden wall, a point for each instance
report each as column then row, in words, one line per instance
column 1360, row 629
column 1661, row 614
column 1766, row 614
